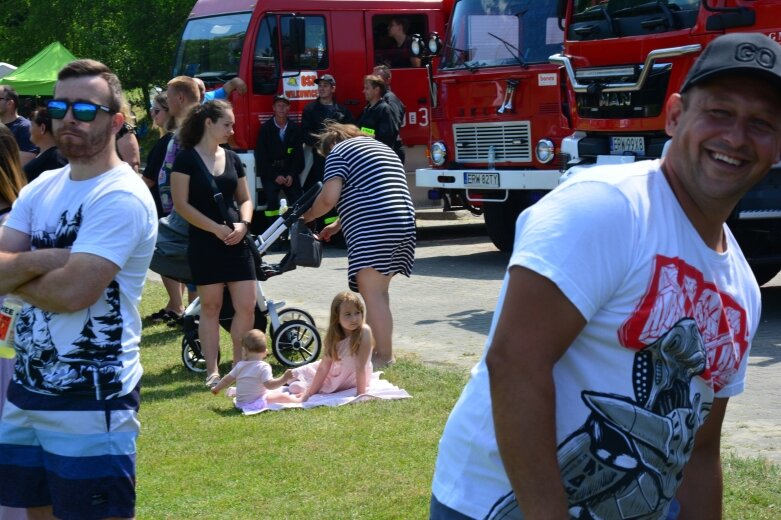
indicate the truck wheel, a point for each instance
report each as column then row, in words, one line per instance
column 500, row 224
column 500, row 217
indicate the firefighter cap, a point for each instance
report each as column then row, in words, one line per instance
column 737, row 53
column 326, row 77
column 281, row 97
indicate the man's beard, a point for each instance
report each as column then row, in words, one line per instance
column 79, row 145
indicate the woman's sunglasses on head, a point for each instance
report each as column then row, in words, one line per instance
column 82, row 110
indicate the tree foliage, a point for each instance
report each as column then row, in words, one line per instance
column 136, row 38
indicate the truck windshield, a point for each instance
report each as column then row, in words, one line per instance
column 600, row 19
column 501, row 33
column 211, row 47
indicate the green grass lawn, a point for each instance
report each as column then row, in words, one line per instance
column 199, row 458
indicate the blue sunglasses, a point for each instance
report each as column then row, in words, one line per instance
column 82, row 110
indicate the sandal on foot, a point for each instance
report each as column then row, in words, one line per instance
column 175, row 320
column 212, row 381
column 379, row 363
column 157, row 316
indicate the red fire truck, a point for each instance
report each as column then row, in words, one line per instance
column 623, row 58
column 279, row 46
column 497, row 115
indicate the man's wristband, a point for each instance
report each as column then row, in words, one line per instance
column 245, row 222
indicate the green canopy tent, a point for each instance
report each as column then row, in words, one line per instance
column 36, row 77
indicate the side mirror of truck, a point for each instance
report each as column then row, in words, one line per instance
column 298, row 35
column 561, row 8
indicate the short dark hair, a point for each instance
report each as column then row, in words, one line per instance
column 87, row 68
column 42, row 117
column 10, row 94
column 384, row 72
column 378, row 82
column 401, row 21
column 195, row 123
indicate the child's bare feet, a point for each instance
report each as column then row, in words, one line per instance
column 296, row 387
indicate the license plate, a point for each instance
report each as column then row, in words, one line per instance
column 622, row 145
column 481, row 180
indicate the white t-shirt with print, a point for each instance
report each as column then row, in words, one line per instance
column 670, row 323
column 93, row 351
column 250, row 376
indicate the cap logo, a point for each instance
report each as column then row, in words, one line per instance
column 747, row 52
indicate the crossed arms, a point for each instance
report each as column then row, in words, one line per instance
column 51, row 279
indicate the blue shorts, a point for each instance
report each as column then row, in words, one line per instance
column 77, row 455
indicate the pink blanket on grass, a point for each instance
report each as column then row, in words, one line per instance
column 378, row 389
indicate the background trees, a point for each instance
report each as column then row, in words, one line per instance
column 136, row 38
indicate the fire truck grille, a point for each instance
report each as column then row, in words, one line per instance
column 510, row 142
column 646, row 102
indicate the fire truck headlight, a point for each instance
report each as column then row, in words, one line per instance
column 434, row 43
column 438, row 153
column 545, row 151
column 416, row 45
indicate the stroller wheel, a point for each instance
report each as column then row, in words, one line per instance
column 192, row 357
column 294, row 313
column 295, row 343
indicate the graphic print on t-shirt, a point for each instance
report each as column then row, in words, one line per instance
column 87, row 363
column 626, row 460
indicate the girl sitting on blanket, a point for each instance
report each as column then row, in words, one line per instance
column 255, row 386
column 346, row 362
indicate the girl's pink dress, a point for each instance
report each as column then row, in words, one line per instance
column 340, row 377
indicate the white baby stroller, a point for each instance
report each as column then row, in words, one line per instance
column 295, row 340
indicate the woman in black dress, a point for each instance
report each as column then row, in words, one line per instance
column 217, row 252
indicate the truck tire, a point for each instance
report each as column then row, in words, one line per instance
column 500, row 217
column 500, row 224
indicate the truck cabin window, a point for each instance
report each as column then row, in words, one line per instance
column 303, row 41
column 501, row 33
column 392, row 38
column 211, row 48
column 307, row 51
column 265, row 65
column 601, row 19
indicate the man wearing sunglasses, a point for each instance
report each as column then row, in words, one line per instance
column 76, row 249
column 19, row 126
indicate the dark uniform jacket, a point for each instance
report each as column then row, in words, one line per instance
column 315, row 114
column 379, row 121
column 274, row 156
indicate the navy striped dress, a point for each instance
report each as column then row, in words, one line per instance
column 375, row 207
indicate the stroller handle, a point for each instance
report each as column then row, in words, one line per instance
column 303, row 203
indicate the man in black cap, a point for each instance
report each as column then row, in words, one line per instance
column 313, row 118
column 279, row 156
column 625, row 322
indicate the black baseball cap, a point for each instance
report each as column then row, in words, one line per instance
column 281, row 97
column 326, row 77
column 751, row 54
